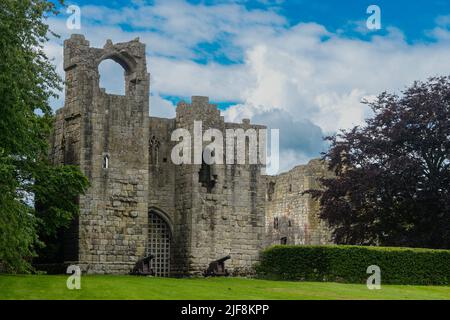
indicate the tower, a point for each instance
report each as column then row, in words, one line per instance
column 219, row 208
column 107, row 137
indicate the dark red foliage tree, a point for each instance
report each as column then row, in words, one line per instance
column 392, row 184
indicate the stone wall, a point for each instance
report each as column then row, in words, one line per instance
column 291, row 216
column 225, row 219
column 109, row 233
column 212, row 210
column 161, row 169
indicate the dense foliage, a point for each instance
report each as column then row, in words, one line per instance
column 349, row 264
column 27, row 81
column 392, row 184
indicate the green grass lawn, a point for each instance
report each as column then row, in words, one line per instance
column 131, row 287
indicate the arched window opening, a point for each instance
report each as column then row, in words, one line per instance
column 105, row 164
column 112, row 77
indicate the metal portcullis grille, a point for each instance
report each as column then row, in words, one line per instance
column 159, row 245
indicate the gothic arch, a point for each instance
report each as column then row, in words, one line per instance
column 163, row 215
column 128, row 64
column 154, row 150
column 159, row 242
column 112, row 77
column 124, row 59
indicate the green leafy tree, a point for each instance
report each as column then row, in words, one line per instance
column 27, row 81
column 392, row 184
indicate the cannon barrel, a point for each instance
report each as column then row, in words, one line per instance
column 223, row 259
column 217, row 268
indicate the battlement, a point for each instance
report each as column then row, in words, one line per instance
column 77, row 49
column 198, row 109
column 197, row 103
column 199, row 100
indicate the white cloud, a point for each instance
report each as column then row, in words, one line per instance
column 184, row 25
column 317, row 78
column 186, row 78
column 325, row 80
column 160, row 107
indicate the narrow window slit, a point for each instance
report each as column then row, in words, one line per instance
column 105, row 161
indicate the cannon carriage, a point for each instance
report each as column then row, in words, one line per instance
column 217, row 268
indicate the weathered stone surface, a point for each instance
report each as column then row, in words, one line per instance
column 291, row 216
column 211, row 212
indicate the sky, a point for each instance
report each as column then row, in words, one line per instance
column 299, row 66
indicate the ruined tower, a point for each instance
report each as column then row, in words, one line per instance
column 105, row 135
column 220, row 205
column 211, row 210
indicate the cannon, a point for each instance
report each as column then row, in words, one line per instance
column 217, row 268
column 142, row 267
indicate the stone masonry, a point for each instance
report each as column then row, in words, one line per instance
column 291, row 216
column 141, row 203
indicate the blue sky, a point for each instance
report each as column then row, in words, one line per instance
column 412, row 17
column 301, row 66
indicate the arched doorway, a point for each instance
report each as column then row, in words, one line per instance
column 159, row 238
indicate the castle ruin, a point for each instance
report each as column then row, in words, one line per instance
column 140, row 203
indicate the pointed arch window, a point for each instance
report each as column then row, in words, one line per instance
column 154, row 150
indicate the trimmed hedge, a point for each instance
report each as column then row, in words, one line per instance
column 349, row 264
